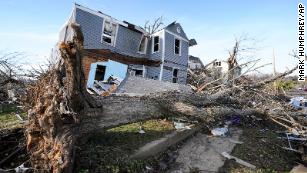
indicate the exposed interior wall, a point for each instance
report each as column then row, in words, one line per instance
column 86, row 64
column 111, row 68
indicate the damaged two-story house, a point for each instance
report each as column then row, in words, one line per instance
column 118, row 49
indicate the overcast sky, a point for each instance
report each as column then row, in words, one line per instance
column 32, row 26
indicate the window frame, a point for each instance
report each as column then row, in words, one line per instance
column 173, row 77
column 113, row 38
column 179, row 53
column 145, row 45
column 104, row 71
column 153, row 44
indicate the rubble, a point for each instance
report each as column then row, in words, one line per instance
column 219, row 131
column 86, row 114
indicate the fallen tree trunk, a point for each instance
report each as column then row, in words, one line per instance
column 63, row 113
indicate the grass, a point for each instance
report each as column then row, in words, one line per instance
column 8, row 119
column 108, row 151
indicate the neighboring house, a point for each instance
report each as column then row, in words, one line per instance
column 221, row 67
column 195, row 63
column 132, row 51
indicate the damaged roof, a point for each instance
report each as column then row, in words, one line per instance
column 123, row 23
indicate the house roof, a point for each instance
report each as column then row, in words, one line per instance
column 174, row 27
column 196, row 59
column 100, row 14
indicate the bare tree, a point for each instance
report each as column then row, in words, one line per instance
column 10, row 68
column 11, row 72
column 40, row 70
column 155, row 26
column 213, row 77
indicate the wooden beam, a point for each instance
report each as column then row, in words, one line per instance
column 125, row 59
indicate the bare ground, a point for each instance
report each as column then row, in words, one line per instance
column 109, row 151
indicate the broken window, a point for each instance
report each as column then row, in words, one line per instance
column 156, row 41
column 177, row 46
column 136, row 72
column 100, row 72
column 175, row 75
column 143, row 45
column 109, row 31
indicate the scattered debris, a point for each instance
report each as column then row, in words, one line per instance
column 290, row 148
column 234, row 120
column 292, row 137
column 206, row 107
column 235, row 141
column 141, row 131
column 148, row 167
column 179, row 125
column 19, row 117
column 21, row 169
column 219, row 131
column 298, row 102
column 242, row 162
column 105, row 87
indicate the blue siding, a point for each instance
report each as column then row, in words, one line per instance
column 127, row 41
column 91, row 26
column 157, row 55
column 173, row 28
column 169, row 50
column 173, row 60
column 168, row 74
column 153, row 72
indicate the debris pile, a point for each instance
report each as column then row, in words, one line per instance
column 62, row 109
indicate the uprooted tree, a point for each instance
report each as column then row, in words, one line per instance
column 63, row 113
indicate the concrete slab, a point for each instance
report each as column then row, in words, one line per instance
column 204, row 152
column 160, row 145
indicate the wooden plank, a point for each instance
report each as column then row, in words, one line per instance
column 242, row 162
column 125, row 59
